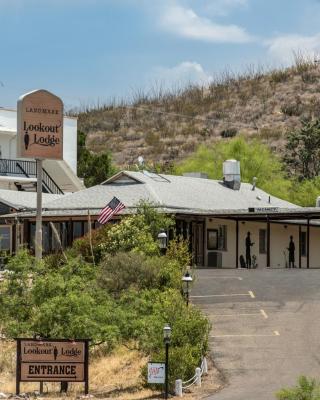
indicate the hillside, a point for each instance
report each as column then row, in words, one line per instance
column 166, row 127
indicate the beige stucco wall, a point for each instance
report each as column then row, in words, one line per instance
column 279, row 241
column 314, row 247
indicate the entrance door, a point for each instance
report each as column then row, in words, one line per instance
column 198, row 243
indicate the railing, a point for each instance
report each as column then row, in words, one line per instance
column 195, row 380
column 28, row 169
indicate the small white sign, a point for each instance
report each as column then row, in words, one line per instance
column 156, row 372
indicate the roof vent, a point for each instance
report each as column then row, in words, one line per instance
column 231, row 174
column 201, row 175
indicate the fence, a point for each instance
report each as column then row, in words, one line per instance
column 180, row 385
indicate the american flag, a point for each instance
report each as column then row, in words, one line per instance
column 112, row 208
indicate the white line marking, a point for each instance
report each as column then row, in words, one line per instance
column 265, row 315
column 220, row 277
column 251, row 294
column 225, row 295
column 275, row 333
column 234, row 315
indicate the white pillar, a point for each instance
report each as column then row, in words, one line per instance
column 198, row 377
column 204, row 365
column 178, row 388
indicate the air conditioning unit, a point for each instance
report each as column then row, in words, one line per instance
column 215, row 259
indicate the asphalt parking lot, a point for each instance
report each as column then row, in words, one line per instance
column 266, row 327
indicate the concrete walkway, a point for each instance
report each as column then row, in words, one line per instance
column 266, row 327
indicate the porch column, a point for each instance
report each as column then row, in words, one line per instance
column 268, row 242
column 237, row 244
column 299, row 246
column 308, row 242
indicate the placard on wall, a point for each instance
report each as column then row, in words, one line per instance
column 40, row 126
column 52, row 361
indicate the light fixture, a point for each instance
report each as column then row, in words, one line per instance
column 162, row 240
column 166, row 333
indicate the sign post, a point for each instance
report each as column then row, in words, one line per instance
column 40, row 137
column 56, row 360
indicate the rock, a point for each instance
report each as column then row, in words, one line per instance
column 3, row 396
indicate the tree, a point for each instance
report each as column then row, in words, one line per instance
column 94, row 168
column 302, row 154
column 256, row 160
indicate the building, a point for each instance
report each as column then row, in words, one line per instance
column 214, row 216
column 59, row 176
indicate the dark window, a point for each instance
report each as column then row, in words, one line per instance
column 77, row 229
column 304, row 244
column 262, row 241
column 5, row 238
column 46, row 236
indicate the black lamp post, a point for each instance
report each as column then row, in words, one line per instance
column 162, row 240
column 186, row 279
column 167, row 339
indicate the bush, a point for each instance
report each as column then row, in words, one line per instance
column 125, row 271
column 150, row 310
column 307, row 389
column 131, row 234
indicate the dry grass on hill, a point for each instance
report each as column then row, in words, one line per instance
column 115, row 376
column 165, row 127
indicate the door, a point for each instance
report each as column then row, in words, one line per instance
column 198, row 243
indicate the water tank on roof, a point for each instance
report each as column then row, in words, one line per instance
column 231, row 174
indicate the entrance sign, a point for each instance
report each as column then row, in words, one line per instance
column 40, row 126
column 55, row 360
column 156, row 372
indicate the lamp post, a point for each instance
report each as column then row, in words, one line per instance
column 162, row 240
column 167, row 339
column 186, row 279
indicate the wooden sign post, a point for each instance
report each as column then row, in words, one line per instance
column 40, row 136
column 56, row 360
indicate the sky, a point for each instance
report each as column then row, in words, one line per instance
column 93, row 51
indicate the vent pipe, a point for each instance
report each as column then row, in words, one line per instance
column 231, row 174
column 254, row 183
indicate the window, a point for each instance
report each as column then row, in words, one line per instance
column 212, row 239
column 5, row 238
column 222, row 237
column 303, row 244
column 262, row 241
column 77, row 229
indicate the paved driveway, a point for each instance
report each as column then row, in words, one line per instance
column 266, row 327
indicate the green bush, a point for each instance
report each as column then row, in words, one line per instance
column 150, row 310
column 128, row 270
column 307, row 389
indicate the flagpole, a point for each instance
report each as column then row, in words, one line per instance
column 90, row 237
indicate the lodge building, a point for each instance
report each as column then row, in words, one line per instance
column 213, row 215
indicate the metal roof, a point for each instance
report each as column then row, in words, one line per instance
column 24, row 200
column 173, row 194
column 171, row 191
